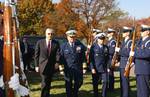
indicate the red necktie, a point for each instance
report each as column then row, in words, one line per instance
column 49, row 46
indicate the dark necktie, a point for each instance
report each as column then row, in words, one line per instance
column 49, row 46
column 71, row 44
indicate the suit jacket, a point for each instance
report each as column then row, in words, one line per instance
column 43, row 59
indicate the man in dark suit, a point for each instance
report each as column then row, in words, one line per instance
column 46, row 58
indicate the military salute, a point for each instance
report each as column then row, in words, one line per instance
column 124, row 54
column 72, row 57
column 142, row 62
column 111, row 43
column 98, row 59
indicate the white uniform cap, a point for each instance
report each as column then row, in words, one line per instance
column 127, row 29
column 110, row 30
column 96, row 30
column 100, row 35
column 71, row 32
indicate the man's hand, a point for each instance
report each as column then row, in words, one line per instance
column 84, row 67
column 61, row 69
column 108, row 70
column 117, row 49
column 37, row 69
column 93, row 71
column 56, row 66
column 84, row 71
column 131, row 53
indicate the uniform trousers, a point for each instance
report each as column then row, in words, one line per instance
column 99, row 77
column 143, row 85
column 111, row 80
column 73, row 81
column 124, row 83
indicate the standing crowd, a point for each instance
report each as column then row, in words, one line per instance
column 70, row 57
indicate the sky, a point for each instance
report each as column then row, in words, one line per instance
column 135, row 8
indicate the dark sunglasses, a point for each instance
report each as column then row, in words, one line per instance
column 49, row 33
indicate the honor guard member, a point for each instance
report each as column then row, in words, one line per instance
column 73, row 57
column 142, row 63
column 98, row 58
column 124, row 54
column 111, row 43
column 95, row 32
column 93, row 40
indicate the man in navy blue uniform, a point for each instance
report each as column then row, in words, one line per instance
column 142, row 63
column 111, row 43
column 94, row 33
column 98, row 58
column 124, row 54
column 73, row 57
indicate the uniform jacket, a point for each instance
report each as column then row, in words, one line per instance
column 142, row 56
column 73, row 57
column 44, row 60
column 111, row 45
column 124, row 52
column 99, row 57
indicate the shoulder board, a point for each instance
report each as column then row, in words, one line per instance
column 112, row 41
column 147, row 43
column 130, row 41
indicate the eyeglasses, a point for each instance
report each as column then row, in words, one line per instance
column 50, row 33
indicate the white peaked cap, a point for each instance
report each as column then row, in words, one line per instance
column 110, row 30
column 71, row 32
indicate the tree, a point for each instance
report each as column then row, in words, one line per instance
column 94, row 11
column 30, row 14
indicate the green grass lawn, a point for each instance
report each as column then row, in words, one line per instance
column 58, row 86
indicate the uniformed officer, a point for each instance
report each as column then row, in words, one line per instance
column 95, row 32
column 142, row 63
column 111, row 43
column 124, row 54
column 72, row 57
column 98, row 59
column 93, row 40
